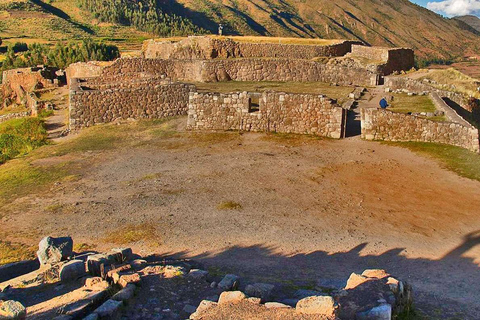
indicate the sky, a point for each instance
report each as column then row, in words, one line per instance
column 452, row 8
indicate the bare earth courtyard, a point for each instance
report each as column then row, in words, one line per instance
column 271, row 207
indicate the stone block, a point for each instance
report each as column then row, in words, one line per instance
column 109, row 308
column 198, row 274
column 229, row 282
column 260, row 290
column 53, row 250
column 382, row 312
column 125, row 294
column 231, row 297
column 127, row 279
column 72, row 270
column 317, row 305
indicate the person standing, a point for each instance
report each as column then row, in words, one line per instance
column 383, row 103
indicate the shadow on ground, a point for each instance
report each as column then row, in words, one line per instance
column 443, row 289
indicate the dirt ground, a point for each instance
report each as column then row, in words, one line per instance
column 310, row 209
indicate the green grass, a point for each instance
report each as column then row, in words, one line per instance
column 20, row 136
column 461, row 161
column 132, row 233
column 403, row 103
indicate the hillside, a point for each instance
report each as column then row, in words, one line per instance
column 376, row 22
column 472, row 21
column 383, row 23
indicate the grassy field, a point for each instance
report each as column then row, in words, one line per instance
column 461, row 161
column 335, row 92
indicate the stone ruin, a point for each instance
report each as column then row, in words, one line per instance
column 120, row 284
column 20, row 86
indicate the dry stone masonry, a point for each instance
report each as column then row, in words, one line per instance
column 378, row 124
column 267, row 112
column 148, row 99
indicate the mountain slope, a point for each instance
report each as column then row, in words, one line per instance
column 472, row 21
column 376, row 22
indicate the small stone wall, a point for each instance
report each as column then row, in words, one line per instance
column 277, row 112
column 239, row 70
column 16, row 115
column 202, row 47
column 399, row 83
column 149, row 99
column 378, row 124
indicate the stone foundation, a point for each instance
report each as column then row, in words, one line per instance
column 378, row 124
column 267, row 112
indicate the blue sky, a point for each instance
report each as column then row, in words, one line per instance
column 452, row 8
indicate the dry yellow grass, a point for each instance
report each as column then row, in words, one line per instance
column 254, row 39
column 454, row 80
column 132, row 233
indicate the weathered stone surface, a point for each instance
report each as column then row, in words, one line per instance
column 138, row 263
column 273, row 305
column 94, row 263
column 125, row 253
column 260, row 290
column 128, row 279
column 173, row 271
column 53, row 250
column 254, row 300
column 318, row 305
column 125, row 294
column 375, row 273
column 382, row 312
column 109, row 308
column 198, row 274
column 231, row 297
column 204, row 306
column 96, row 283
column 229, row 282
column 63, row 317
column 80, row 308
column 72, row 270
column 355, row 280
column 12, row 310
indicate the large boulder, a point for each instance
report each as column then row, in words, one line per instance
column 317, row 305
column 72, row 270
column 53, row 250
column 13, row 310
column 231, row 297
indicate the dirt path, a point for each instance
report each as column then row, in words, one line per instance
column 311, row 209
column 57, row 124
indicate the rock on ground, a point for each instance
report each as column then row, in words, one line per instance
column 109, row 308
column 229, row 282
column 53, row 250
column 231, row 297
column 260, row 290
column 12, row 310
column 319, row 305
column 72, row 270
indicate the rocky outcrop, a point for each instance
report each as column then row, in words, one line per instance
column 53, row 250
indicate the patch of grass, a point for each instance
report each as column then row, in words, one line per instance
column 83, row 247
column 461, row 161
column 132, row 233
column 20, row 136
column 454, row 80
column 292, row 139
column 13, row 109
column 13, row 252
column 403, row 103
column 229, row 205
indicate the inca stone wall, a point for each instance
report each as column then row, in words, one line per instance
column 148, row 99
column 86, row 69
column 240, row 70
column 395, row 59
column 202, row 47
column 277, row 112
column 378, row 124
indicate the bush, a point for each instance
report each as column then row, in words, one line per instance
column 20, row 136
